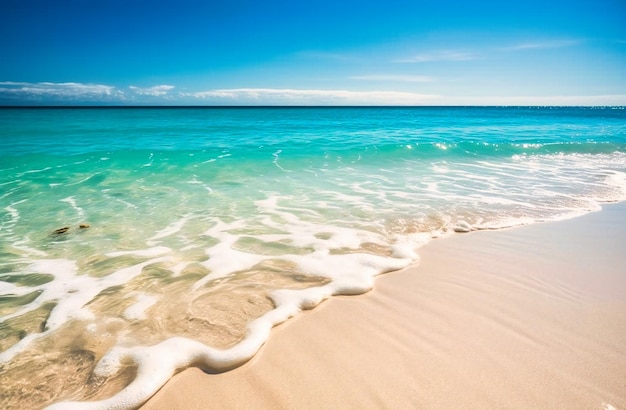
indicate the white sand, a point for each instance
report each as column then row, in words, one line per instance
column 533, row 317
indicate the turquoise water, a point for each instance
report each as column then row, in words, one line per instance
column 213, row 223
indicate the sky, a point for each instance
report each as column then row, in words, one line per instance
column 323, row 52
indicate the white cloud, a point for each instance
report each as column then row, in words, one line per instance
column 452, row 55
column 156, row 91
column 64, row 91
column 271, row 96
column 77, row 92
column 13, row 83
column 94, row 93
column 442, row 55
column 394, row 77
column 534, row 45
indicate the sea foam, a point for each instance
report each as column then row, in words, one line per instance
column 157, row 364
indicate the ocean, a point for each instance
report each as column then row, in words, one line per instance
column 138, row 241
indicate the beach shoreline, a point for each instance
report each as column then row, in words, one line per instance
column 529, row 317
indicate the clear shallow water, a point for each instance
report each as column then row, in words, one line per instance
column 214, row 224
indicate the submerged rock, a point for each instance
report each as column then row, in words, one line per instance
column 66, row 229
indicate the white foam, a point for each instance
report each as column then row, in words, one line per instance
column 14, row 215
column 157, row 364
column 137, row 311
column 463, row 226
column 34, row 171
column 150, row 160
column 169, row 230
column 404, row 246
column 128, row 204
column 432, row 187
column 223, row 261
column 70, row 200
column 22, row 245
column 617, row 179
column 71, row 292
column 225, row 155
column 143, row 253
column 87, row 178
column 275, row 161
column 10, row 289
column 340, row 266
column 303, row 233
column 14, row 181
column 178, row 268
column 73, row 163
column 498, row 200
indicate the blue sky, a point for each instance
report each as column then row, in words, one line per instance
column 241, row 52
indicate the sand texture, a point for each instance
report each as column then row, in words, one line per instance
column 533, row 317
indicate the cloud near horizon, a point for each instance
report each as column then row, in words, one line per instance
column 67, row 90
column 48, row 93
column 156, row 91
column 76, row 92
column 274, row 96
column 73, row 92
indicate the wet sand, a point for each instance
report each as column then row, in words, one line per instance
column 532, row 317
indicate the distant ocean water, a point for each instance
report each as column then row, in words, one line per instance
column 204, row 227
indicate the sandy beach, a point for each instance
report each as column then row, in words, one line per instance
column 531, row 317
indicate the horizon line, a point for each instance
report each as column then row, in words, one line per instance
column 311, row 106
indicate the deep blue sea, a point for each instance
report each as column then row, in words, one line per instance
column 195, row 230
